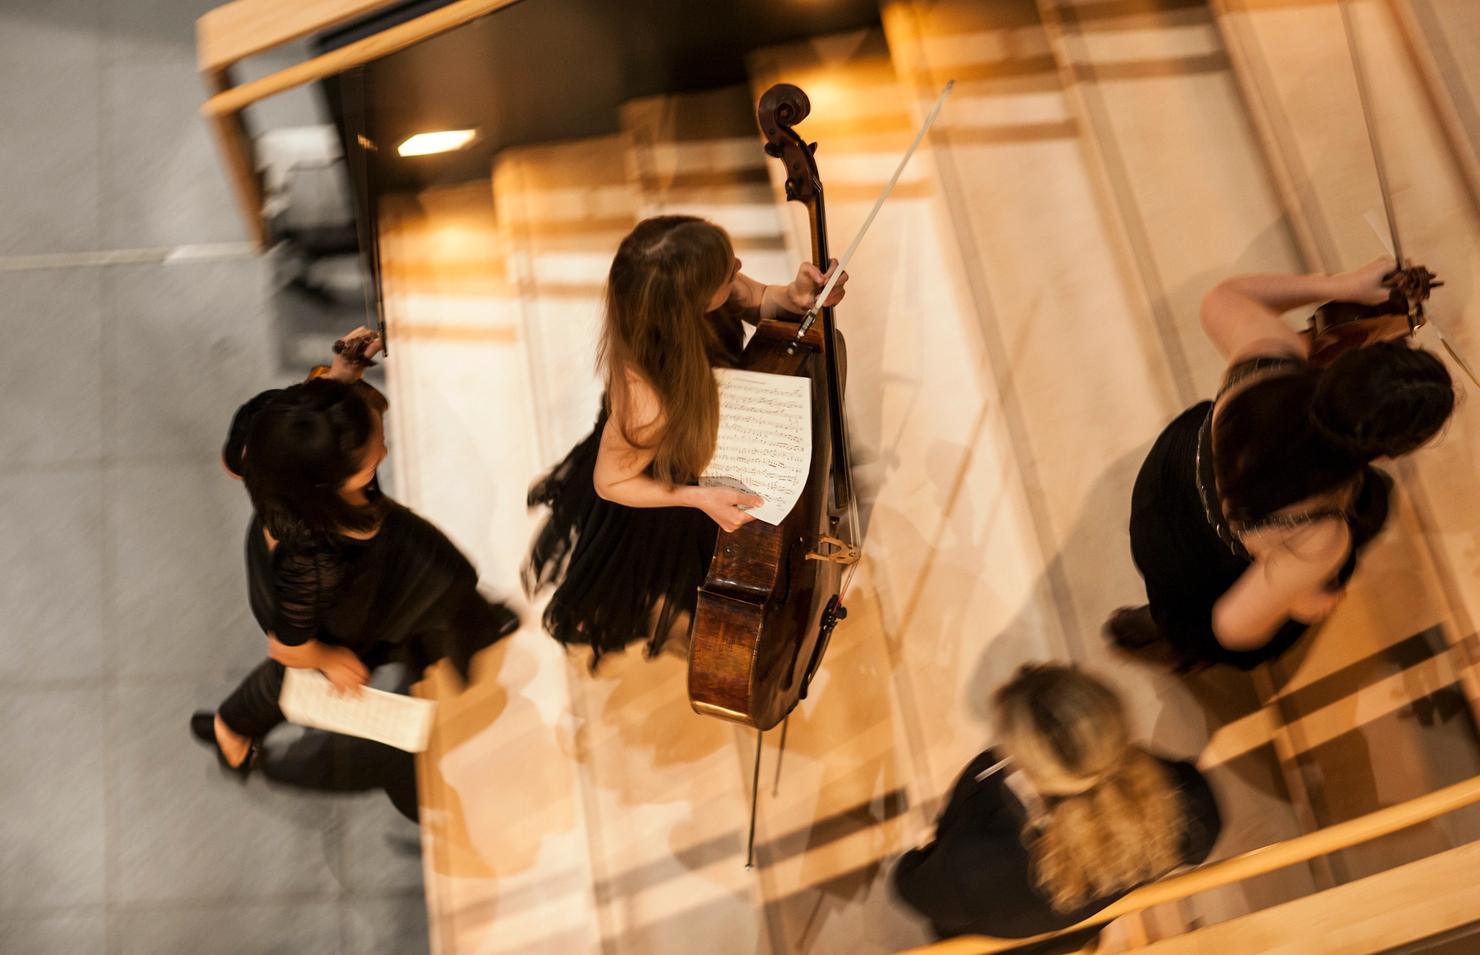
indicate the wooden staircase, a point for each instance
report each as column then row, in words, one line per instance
column 1021, row 323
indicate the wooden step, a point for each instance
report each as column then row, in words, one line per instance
column 562, row 209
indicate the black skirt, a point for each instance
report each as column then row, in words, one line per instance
column 620, row 574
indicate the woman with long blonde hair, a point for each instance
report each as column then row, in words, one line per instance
column 630, row 533
column 1060, row 819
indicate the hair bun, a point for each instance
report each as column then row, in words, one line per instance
column 1383, row 400
column 1351, row 442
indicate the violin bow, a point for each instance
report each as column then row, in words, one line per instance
column 1413, row 282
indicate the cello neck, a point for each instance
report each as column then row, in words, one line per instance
column 781, row 107
column 817, row 219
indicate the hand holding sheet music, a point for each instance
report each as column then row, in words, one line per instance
column 764, row 445
column 309, row 699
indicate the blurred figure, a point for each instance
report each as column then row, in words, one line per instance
column 1061, row 818
column 1251, row 510
column 340, row 577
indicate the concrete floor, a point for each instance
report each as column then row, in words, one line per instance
column 123, row 593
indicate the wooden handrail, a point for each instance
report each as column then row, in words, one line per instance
column 234, row 31
column 1342, row 835
column 384, row 43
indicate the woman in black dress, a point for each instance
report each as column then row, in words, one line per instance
column 629, row 534
column 1064, row 816
column 1251, row 510
column 340, row 577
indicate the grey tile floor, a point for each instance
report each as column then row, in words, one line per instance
column 122, row 601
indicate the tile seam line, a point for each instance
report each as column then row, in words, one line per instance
column 102, row 127
column 182, row 254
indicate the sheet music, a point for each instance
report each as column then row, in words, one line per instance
column 309, row 699
column 765, row 439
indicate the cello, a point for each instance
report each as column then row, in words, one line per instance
column 773, row 594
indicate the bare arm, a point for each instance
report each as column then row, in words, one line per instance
column 758, row 302
column 304, row 656
column 1242, row 314
column 1287, row 583
column 621, row 466
column 621, row 474
column 345, row 367
column 340, row 664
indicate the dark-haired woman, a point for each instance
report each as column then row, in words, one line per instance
column 1251, row 510
column 340, row 577
column 1061, row 818
column 630, row 534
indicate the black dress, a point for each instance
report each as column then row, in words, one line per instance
column 975, row 878
column 1185, row 551
column 406, row 595
column 621, row 574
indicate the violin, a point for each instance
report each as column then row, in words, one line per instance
column 772, row 596
column 1339, row 327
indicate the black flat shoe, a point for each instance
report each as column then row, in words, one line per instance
column 203, row 728
column 1132, row 629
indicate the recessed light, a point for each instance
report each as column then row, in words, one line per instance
column 442, row 141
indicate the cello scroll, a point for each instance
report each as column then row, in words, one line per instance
column 781, row 107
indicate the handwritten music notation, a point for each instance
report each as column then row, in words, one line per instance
column 309, row 699
column 765, row 439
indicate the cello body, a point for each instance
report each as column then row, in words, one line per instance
column 768, row 603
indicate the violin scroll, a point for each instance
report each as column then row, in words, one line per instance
column 780, row 108
column 1411, row 287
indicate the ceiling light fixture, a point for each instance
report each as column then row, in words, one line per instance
column 442, row 141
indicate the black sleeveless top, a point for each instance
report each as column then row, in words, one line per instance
column 1187, row 552
column 1206, row 483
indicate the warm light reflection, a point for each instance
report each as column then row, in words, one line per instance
column 442, row 141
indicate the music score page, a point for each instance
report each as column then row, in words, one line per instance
column 309, row 699
column 764, row 445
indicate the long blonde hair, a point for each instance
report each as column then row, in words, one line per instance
column 664, row 273
column 1110, row 817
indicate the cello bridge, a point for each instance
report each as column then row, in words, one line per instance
column 834, row 551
